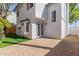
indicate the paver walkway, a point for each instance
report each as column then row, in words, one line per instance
column 36, row 47
column 44, row 46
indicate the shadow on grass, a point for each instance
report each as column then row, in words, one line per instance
column 10, row 42
column 14, row 36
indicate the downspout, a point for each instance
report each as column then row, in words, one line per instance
column 67, row 18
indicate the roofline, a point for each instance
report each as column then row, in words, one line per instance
column 19, row 4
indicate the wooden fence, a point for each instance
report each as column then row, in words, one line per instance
column 11, row 30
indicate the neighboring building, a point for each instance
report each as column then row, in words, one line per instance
column 36, row 20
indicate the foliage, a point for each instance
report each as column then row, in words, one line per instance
column 74, row 12
column 1, row 30
column 5, row 22
column 1, row 25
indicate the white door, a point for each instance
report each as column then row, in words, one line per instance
column 40, row 30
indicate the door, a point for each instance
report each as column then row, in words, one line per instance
column 40, row 30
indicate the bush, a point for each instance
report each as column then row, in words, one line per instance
column 1, row 33
column 3, row 25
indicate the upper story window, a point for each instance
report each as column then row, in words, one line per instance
column 54, row 16
column 17, row 13
column 29, row 5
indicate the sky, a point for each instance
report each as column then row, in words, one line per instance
column 12, row 7
column 12, row 18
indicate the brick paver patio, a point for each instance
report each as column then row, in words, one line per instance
column 44, row 46
column 67, row 47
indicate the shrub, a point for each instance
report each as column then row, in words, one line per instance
column 3, row 24
column 1, row 32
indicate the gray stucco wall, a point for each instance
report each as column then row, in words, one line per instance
column 64, row 20
column 41, row 10
column 23, row 14
column 54, row 28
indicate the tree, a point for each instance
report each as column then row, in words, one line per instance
column 3, row 21
column 4, row 24
column 1, row 30
column 73, row 12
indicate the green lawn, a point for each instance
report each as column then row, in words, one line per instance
column 12, row 39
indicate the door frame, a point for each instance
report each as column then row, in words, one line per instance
column 40, row 31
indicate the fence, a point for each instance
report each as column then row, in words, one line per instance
column 11, row 30
column 74, row 31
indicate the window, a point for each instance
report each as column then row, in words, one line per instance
column 17, row 13
column 38, row 29
column 54, row 16
column 29, row 5
column 41, row 29
column 27, row 27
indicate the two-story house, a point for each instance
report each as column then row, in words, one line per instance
column 35, row 20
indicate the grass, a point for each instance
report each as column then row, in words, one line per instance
column 11, row 39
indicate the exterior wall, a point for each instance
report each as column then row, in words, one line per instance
column 54, row 28
column 41, row 10
column 64, row 20
column 34, row 30
column 32, row 13
column 67, row 17
column 24, row 13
